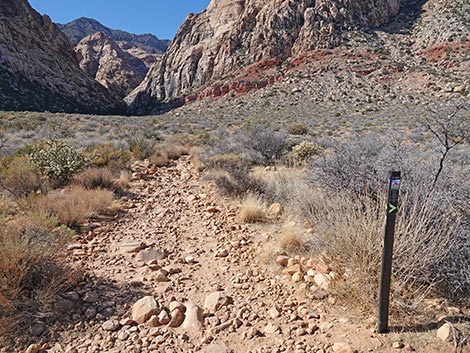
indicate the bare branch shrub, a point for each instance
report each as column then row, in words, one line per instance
column 33, row 273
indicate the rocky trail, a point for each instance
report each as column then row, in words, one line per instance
column 178, row 273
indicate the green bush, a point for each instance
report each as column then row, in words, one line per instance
column 305, row 150
column 109, row 156
column 57, row 160
column 141, row 147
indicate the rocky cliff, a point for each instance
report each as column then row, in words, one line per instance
column 39, row 68
column 83, row 27
column 103, row 59
column 230, row 34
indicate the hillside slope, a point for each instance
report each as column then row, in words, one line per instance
column 39, row 68
column 245, row 45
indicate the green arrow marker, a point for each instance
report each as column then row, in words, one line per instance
column 392, row 208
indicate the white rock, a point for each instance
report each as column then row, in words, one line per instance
column 445, row 332
column 193, row 317
column 215, row 301
column 342, row 348
column 143, row 309
column 111, row 325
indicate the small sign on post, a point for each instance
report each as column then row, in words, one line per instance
column 386, row 274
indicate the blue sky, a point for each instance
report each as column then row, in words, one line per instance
column 159, row 17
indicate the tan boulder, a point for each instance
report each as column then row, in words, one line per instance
column 144, row 308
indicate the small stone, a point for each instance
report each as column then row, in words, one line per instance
column 122, row 335
column 216, row 348
column 445, row 332
column 215, row 301
column 90, row 297
column 322, row 281
column 189, row 260
column 253, row 332
column 212, row 209
column 222, row 253
column 177, row 318
column 398, row 345
column 163, row 317
column 270, row 329
column 276, row 209
column 126, row 321
column 176, row 305
column 111, row 325
column 143, row 309
column 160, row 276
column 90, row 312
column 33, row 348
column 152, row 255
column 274, row 312
column 342, row 348
column 153, row 321
column 297, row 277
column 282, row 260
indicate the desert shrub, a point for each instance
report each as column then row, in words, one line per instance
column 305, row 150
column 159, row 159
column 20, row 177
column 74, row 205
column 175, row 151
column 267, row 142
column 109, row 156
column 432, row 247
column 33, row 273
column 298, row 129
column 141, row 147
column 235, row 180
column 252, row 209
column 58, row 160
column 97, row 178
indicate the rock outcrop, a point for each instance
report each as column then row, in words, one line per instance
column 83, row 27
column 39, row 68
column 231, row 34
column 103, row 59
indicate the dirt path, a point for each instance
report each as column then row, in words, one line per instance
column 179, row 242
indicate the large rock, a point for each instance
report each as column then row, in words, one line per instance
column 144, row 308
column 39, row 69
column 193, row 318
column 231, row 34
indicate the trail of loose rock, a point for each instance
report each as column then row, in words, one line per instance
column 181, row 244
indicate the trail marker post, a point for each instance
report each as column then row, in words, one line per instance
column 386, row 274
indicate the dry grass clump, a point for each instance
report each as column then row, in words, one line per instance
column 195, row 153
column 165, row 152
column 253, row 209
column 20, row 177
column 74, row 205
column 159, row 159
column 292, row 239
column 32, row 272
column 98, row 178
column 175, row 151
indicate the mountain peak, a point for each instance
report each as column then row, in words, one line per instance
column 82, row 27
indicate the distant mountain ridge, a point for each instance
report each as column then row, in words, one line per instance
column 39, row 68
column 82, row 27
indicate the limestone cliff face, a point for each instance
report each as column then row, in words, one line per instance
column 39, row 68
column 107, row 63
column 230, row 34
